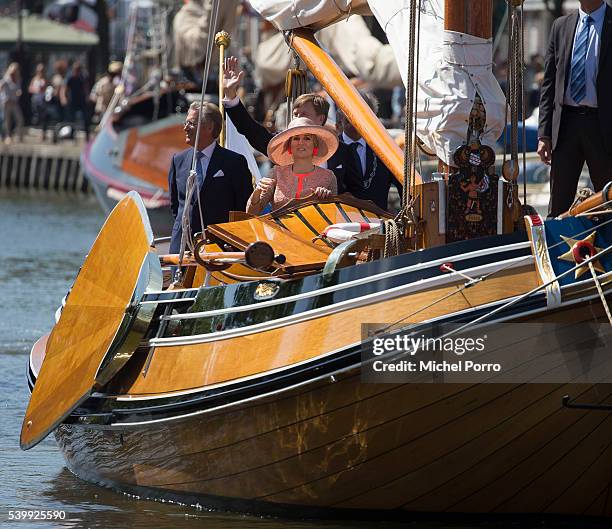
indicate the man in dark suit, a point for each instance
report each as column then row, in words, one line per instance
column 372, row 179
column 223, row 180
column 576, row 102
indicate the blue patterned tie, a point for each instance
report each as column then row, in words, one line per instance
column 199, row 173
column 578, row 80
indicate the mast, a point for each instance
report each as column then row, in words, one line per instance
column 469, row 16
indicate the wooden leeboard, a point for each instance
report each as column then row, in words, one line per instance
column 94, row 311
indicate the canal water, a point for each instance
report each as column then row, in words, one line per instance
column 43, row 241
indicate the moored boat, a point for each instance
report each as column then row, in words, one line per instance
column 132, row 152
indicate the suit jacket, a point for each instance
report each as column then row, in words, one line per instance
column 378, row 190
column 228, row 191
column 557, row 69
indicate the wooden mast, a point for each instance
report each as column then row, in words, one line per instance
column 474, row 17
column 468, row 16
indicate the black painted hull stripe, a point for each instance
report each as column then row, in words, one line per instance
column 343, row 213
column 365, row 217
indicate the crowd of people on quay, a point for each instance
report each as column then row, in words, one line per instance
column 62, row 95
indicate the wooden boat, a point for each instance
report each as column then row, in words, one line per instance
column 243, row 388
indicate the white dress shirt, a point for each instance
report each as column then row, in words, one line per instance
column 361, row 150
column 592, row 57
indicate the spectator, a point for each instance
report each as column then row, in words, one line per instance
column 102, row 92
column 10, row 92
column 37, row 90
column 534, row 80
column 53, row 104
column 74, row 96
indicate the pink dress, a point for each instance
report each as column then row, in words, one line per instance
column 289, row 185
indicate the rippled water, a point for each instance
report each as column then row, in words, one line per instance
column 43, row 240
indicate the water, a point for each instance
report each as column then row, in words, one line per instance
column 43, row 241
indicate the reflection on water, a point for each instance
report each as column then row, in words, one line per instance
column 43, row 241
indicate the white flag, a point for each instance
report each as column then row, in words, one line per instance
column 234, row 141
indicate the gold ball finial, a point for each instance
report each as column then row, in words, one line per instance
column 222, row 39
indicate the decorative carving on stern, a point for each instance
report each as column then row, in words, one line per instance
column 479, row 204
column 472, row 193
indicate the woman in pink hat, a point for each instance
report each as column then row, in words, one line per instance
column 296, row 153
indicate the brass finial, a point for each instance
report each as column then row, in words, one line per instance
column 222, row 39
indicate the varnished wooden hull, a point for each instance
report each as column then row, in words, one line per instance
column 342, row 445
column 238, row 402
column 332, row 445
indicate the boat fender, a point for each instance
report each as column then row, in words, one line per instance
column 343, row 231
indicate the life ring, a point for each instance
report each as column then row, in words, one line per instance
column 343, row 231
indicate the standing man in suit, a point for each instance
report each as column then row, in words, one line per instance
column 372, row 179
column 576, row 102
column 223, row 178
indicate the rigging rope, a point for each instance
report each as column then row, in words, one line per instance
column 484, row 277
column 296, row 84
column 516, row 99
column 406, row 217
column 186, row 236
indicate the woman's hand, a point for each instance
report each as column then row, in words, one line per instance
column 322, row 193
column 262, row 189
column 265, row 184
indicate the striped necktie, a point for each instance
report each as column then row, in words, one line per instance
column 578, row 80
column 199, row 172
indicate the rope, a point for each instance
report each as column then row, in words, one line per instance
column 602, row 297
column 186, row 236
column 581, row 196
column 410, row 105
column 523, row 107
column 510, row 303
column 407, row 216
column 484, row 277
column 296, row 84
column 516, row 89
column 392, row 238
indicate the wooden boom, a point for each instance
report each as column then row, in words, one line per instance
column 348, row 99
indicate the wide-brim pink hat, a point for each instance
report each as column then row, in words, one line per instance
column 328, row 142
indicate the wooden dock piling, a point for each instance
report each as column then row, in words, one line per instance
column 43, row 167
